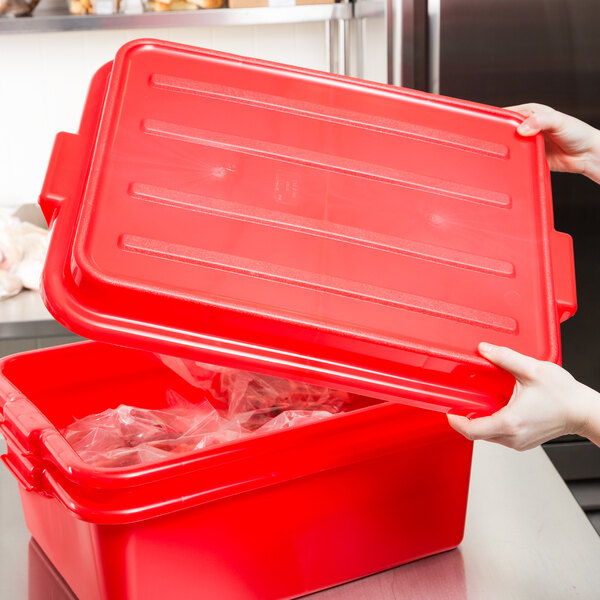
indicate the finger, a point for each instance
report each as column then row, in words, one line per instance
column 483, row 428
column 521, row 366
column 528, row 126
column 538, row 117
column 524, row 109
column 545, row 119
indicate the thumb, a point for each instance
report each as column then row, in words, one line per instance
column 519, row 365
column 538, row 117
column 528, row 126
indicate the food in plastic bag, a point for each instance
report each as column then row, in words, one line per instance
column 243, row 391
column 10, row 284
column 250, row 403
column 293, row 418
column 23, row 249
column 128, row 435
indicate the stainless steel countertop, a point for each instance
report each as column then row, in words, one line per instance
column 25, row 316
column 526, row 539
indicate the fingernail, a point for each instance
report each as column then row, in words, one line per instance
column 484, row 347
column 524, row 127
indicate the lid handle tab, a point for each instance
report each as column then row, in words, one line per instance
column 563, row 272
column 65, row 175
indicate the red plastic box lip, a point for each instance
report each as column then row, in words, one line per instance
column 39, row 439
column 59, row 289
column 136, row 493
column 118, row 506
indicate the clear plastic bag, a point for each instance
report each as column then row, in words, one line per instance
column 237, row 404
column 243, row 391
column 293, row 418
column 127, row 435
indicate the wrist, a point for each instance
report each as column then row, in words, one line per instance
column 586, row 421
column 591, row 166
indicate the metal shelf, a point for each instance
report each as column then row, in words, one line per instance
column 59, row 19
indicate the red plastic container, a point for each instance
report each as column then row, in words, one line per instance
column 296, row 223
column 276, row 516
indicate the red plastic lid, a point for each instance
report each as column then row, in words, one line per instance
column 313, row 226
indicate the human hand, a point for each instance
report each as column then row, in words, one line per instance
column 546, row 402
column 571, row 145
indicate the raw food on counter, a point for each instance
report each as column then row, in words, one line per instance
column 237, row 404
column 23, row 248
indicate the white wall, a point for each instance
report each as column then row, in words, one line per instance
column 44, row 79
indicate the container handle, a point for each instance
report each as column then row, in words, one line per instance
column 563, row 272
column 71, row 152
column 22, row 423
column 27, row 485
column 64, row 178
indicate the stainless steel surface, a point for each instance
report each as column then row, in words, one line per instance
column 366, row 12
column 433, row 46
column 337, row 34
column 13, row 539
column 338, row 45
column 526, row 539
column 344, row 25
column 329, row 46
column 413, row 44
column 406, row 24
column 59, row 19
column 333, row 45
column 25, row 316
column 364, row 9
column 360, row 25
column 393, row 20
